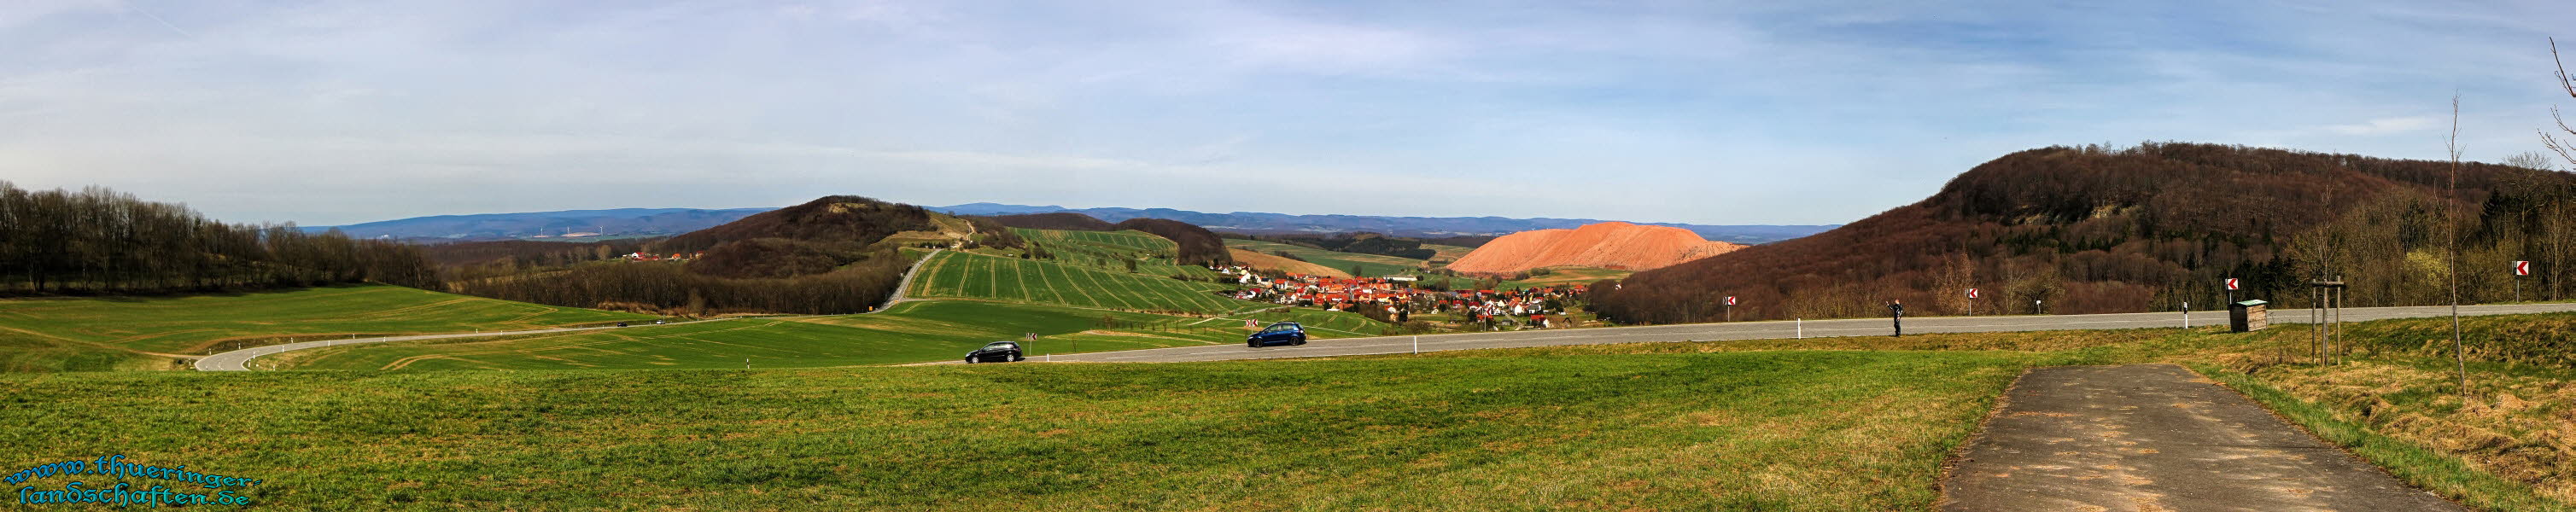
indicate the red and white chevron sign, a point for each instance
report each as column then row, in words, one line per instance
column 2521, row 268
column 1730, row 300
column 2234, row 284
column 1972, row 293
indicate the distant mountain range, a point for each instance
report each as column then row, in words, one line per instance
column 1277, row 223
column 621, row 222
column 629, row 222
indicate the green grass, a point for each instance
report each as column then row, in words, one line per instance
column 1564, row 276
column 1131, row 241
column 1745, row 431
column 1371, row 265
column 1108, row 250
column 1444, row 254
column 102, row 333
column 976, row 276
column 2418, row 464
column 910, row 332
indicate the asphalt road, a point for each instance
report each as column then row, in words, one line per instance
column 1755, row 330
column 906, row 285
column 2155, row 437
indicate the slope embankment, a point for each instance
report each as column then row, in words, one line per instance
column 1616, row 245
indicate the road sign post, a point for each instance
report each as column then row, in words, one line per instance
column 2520, row 268
column 1972, row 302
column 1730, row 308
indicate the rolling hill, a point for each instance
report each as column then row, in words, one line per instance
column 833, row 255
column 2093, row 230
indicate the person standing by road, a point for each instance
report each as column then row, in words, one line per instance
column 1896, row 314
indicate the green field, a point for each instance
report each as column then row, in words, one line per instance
column 1113, row 250
column 1129, row 241
column 1563, row 276
column 1443, row 254
column 1370, row 265
column 976, row 276
column 908, row 332
column 1771, row 431
column 144, row 332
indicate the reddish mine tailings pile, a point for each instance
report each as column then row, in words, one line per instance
column 1618, row 245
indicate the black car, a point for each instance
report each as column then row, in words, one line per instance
column 996, row 352
column 1283, row 333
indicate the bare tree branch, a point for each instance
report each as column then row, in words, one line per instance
column 2565, row 150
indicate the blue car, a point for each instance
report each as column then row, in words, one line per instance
column 1283, row 333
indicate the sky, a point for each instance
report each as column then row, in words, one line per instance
column 1709, row 112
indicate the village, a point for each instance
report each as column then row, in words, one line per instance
column 1397, row 299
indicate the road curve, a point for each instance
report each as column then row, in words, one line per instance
column 901, row 288
column 1756, row 330
column 239, row 360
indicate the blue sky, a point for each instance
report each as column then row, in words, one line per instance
column 1704, row 112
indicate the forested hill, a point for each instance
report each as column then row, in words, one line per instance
column 832, row 219
column 2089, row 230
column 833, row 255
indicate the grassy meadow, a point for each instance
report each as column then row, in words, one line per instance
column 909, row 332
column 1112, row 242
column 1370, row 265
column 1561, row 276
column 111, row 333
column 1770, row 431
column 1809, row 424
column 1113, row 250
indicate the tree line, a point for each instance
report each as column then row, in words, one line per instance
column 99, row 241
column 676, row 288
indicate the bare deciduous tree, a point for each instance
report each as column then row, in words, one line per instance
column 2459, row 353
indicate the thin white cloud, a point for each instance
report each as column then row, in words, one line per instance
column 2384, row 126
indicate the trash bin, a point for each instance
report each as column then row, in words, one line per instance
column 2248, row 316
